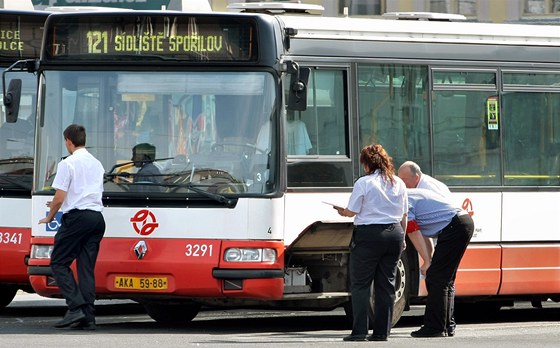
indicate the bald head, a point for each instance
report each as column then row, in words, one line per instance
column 410, row 173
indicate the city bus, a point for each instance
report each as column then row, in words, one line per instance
column 21, row 34
column 252, row 121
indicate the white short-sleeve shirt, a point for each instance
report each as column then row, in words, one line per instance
column 430, row 183
column 378, row 201
column 80, row 175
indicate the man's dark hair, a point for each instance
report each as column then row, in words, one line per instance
column 76, row 134
column 147, row 150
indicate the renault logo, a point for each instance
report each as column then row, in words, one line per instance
column 140, row 249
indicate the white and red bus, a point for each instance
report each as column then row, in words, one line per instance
column 21, row 34
column 253, row 120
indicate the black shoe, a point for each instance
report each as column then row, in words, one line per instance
column 71, row 317
column 426, row 332
column 377, row 338
column 354, row 338
column 450, row 332
column 84, row 325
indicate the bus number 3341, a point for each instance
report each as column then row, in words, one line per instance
column 10, row 238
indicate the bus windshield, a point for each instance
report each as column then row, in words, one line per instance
column 164, row 132
column 16, row 139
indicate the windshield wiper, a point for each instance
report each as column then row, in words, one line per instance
column 229, row 202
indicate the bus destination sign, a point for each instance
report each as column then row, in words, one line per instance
column 20, row 35
column 137, row 37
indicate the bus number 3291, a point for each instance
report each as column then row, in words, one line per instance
column 198, row 250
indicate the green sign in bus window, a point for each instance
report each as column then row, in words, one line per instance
column 492, row 112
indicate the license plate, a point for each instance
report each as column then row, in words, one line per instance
column 141, row 283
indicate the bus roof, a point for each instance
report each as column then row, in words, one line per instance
column 275, row 7
column 344, row 28
column 86, row 9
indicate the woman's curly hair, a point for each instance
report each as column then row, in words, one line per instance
column 376, row 158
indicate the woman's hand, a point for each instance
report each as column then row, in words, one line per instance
column 339, row 210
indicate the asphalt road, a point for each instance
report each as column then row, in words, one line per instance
column 28, row 322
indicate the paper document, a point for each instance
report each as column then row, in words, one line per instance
column 334, row 205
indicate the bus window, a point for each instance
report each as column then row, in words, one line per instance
column 393, row 111
column 532, row 139
column 319, row 130
column 316, row 139
column 465, row 138
column 16, row 139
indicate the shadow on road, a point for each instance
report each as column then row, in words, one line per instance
column 130, row 318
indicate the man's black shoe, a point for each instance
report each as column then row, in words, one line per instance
column 71, row 317
column 377, row 338
column 426, row 332
column 354, row 338
column 84, row 325
column 450, row 332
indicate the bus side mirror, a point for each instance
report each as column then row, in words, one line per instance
column 11, row 100
column 297, row 95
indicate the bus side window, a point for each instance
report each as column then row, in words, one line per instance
column 324, row 120
column 530, row 127
column 318, row 135
column 392, row 106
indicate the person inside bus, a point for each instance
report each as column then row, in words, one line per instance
column 143, row 156
column 379, row 204
column 413, row 177
column 436, row 216
column 297, row 136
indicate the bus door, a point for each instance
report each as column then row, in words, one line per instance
column 317, row 145
column 465, row 109
column 317, row 148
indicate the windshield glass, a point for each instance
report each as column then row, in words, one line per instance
column 165, row 132
column 16, row 139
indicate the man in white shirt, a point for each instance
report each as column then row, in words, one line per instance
column 79, row 186
column 410, row 173
column 435, row 215
column 413, row 178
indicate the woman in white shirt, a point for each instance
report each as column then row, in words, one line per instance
column 378, row 204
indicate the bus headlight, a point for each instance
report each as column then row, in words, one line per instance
column 39, row 251
column 250, row 255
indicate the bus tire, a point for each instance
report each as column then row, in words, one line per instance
column 402, row 286
column 172, row 314
column 7, row 294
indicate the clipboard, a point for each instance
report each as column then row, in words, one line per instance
column 333, row 205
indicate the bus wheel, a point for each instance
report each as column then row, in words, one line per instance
column 7, row 294
column 173, row 314
column 402, row 284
